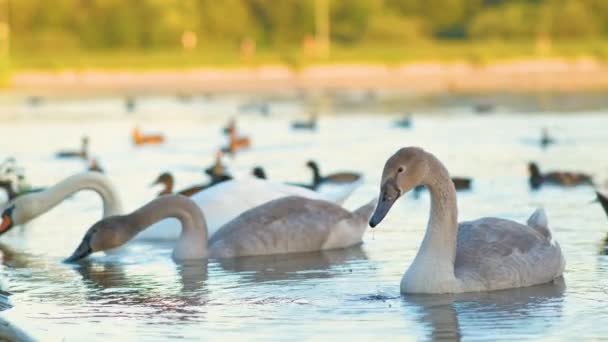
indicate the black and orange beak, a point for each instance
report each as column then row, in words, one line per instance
column 7, row 220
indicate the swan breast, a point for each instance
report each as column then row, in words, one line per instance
column 495, row 253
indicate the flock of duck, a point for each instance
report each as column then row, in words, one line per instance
column 230, row 218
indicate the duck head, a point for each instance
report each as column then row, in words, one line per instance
column 403, row 171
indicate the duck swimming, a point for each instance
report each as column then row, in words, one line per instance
column 546, row 139
column 310, row 124
column 82, row 154
column 336, row 178
column 146, row 139
column 482, row 255
column 460, row 184
column 217, row 171
column 561, row 178
column 236, row 143
column 166, row 179
column 285, row 225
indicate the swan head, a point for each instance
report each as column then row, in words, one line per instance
column 19, row 211
column 106, row 234
column 403, row 171
column 7, row 219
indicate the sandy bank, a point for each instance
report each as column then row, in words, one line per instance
column 518, row 76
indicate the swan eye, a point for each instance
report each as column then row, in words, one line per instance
column 400, row 169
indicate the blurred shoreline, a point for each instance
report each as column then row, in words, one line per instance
column 525, row 75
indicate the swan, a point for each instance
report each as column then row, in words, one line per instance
column 221, row 202
column 286, row 225
column 29, row 206
column 482, row 255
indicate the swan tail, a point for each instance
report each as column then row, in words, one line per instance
column 538, row 221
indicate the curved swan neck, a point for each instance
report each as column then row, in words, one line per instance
column 95, row 181
column 439, row 243
column 192, row 242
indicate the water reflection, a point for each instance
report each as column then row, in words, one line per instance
column 448, row 315
column 313, row 265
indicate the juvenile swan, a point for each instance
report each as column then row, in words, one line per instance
column 286, row 225
column 481, row 255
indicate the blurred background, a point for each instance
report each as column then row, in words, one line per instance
column 184, row 34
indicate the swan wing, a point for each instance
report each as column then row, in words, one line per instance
column 494, row 253
column 286, row 225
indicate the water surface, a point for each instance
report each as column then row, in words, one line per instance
column 347, row 294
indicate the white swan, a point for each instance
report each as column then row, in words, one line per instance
column 222, row 202
column 482, row 255
column 286, row 225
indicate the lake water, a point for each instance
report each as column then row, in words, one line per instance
column 346, row 294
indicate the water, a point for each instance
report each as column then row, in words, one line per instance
column 349, row 294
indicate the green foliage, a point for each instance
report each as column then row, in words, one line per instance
column 279, row 28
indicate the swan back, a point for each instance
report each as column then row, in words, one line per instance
column 495, row 253
column 289, row 225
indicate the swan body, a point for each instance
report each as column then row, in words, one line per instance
column 286, row 225
column 225, row 201
column 482, row 255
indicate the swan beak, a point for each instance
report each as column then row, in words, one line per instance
column 83, row 250
column 7, row 222
column 388, row 196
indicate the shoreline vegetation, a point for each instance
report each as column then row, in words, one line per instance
column 425, row 68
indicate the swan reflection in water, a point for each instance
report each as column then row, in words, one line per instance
column 448, row 315
column 297, row 266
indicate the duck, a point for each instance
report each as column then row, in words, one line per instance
column 405, row 122
column 217, row 171
column 82, row 154
column 286, row 225
column 236, row 143
column 130, row 104
column 9, row 189
column 460, row 184
column 221, row 202
column 259, row 172
column 230, row 127
column 146, row 139
column 167, row 180
column 342, row 182
column 482, row 255
column 561, row 178
column 546, row 139
column 310, row 124
column 94, row 166
column 334, row 178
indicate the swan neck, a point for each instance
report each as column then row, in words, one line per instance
column 192, row 242
column 439, row 243
column 51, row 197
